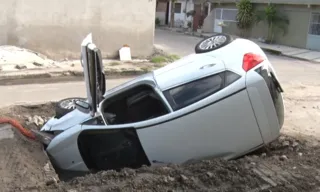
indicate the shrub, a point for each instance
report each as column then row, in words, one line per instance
column 158, row 21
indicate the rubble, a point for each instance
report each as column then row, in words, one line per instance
column 37, row 120
column 283, row 158
column 285, row 143
column 21, row 66
column 275, row 168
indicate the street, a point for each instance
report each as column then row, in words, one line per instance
column 287, row 164
column 300, row 80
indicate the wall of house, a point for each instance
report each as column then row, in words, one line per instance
column 180, row 17
column 296, row 36
column 57, row 27
column 161, row 12
column 209, row 22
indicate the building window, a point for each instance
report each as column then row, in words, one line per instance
column 226, row 14
column 315, row 24
column 177, row 8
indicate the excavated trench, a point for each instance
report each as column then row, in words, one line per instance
column 288, row 164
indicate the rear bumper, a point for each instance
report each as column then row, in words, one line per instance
column 269, row 114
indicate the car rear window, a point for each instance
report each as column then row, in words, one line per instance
column 187, row 94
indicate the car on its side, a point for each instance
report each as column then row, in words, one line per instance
column 224, row 101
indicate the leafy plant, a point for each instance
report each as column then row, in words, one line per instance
column 275, row 21
column 191, row 13
column 189, row 24
column 245, row 16
column 158, row 21
column 164, row 58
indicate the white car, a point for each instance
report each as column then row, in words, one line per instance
column 222, row 101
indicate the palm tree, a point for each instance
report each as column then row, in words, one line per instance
column 245, row 16
column 274, row 19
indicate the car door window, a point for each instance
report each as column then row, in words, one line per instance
column 187, row 94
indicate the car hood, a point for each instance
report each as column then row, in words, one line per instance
column 67, row 121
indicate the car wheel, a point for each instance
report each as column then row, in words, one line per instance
column 212, row 43
column 67, row 105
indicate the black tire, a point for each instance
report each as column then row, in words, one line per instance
column 200, row 49
column 65, row 106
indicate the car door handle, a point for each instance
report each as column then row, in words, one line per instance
column 207, row 66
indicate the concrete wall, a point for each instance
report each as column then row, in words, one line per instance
column 208, row 23
column 296, row 36
column 161, row 12
column 56, row 27
column 179, row 18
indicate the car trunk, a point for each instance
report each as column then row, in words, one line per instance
column 275, row 91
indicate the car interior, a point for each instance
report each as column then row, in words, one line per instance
column 137, row 104
column 117, row 148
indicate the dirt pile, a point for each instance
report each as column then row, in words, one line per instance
column 285, row 165
column 23, row 164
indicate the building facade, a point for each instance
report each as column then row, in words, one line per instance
column 57, row 27
column 303, row 29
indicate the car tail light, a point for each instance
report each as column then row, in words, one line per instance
column 250, row 60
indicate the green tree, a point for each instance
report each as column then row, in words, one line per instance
column 245, row 16
column 275, row 20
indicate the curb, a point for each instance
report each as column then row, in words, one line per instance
column 277, row 52
column 273, row 51
column 55, row 73
column 302, row 59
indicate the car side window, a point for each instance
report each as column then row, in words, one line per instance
column 187, row 94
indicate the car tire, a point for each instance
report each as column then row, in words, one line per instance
column 65, row 106
column 213, row 43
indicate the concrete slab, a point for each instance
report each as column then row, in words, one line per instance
column 316, row 60
column 296, row 52
column 308, row 56
column 6, row 131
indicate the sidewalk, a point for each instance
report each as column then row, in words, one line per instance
column 296, row 53
column 20, row 63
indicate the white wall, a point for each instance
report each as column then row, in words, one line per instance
column 57, row 27
column 162, row 17
column 180, row 17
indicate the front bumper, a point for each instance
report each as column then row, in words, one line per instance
column 43, row 137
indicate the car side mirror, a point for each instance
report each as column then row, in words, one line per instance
column 82, row 106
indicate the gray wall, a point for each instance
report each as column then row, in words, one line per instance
column 299, row 16
column 56, row 27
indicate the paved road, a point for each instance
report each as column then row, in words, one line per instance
column 34, row 93
column 175, row 43
column 290, row 70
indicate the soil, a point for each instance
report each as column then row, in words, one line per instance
column 290, row 163
column 23, row 164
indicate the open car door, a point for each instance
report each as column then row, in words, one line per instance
column 91, row 60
